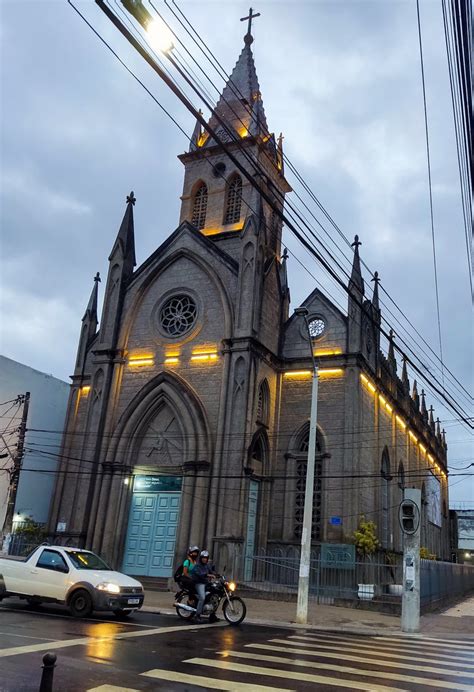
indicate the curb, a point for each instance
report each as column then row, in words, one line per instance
column 333, row 629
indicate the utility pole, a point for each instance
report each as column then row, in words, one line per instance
column 15, row 471
column 410, row 520
column 305, row 557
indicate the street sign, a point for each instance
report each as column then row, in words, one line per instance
column 156, row 484
column 335, row 521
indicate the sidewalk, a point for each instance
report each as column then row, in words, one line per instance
column 456, row 621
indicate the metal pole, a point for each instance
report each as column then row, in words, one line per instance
column 305, row 558
column 15, row 473
column 411, row 565
column 49, row 664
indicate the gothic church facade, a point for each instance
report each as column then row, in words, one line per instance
column 188, row 417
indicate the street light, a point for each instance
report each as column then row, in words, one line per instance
column 305, row 558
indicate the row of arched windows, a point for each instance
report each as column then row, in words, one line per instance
column 233, row 203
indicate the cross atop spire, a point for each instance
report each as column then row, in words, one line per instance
column 356, row 242
column 248, row 38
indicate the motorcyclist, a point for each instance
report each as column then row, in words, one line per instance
column 202, row 573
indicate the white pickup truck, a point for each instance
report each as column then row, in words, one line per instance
column 78, row 578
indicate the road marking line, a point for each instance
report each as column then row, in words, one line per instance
column 84, row 641
column 447, row 643
column 67, row 616
column 394, row 643
column 112, row 688
column 293, row 675
column 359, row 659
column 26, row 636
column 396, row 677
column 452, row 659
column 210, row 683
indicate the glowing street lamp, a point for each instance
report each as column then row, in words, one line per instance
column 159, row 35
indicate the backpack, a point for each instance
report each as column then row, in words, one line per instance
column 179, row 573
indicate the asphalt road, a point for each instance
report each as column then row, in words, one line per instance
column 160, row 652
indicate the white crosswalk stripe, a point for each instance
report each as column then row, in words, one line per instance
column 211, row 683
column 408, row 652
column 305, row 661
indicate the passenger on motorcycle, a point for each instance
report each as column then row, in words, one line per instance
column 184, row 572
column 202, row 573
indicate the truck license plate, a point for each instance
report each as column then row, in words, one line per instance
column 133, row 601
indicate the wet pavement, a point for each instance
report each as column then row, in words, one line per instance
column 161, row 652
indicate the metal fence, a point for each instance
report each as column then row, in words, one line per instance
column 334, row 579
column 26, row 536
column 444, row 581
column 341, row 579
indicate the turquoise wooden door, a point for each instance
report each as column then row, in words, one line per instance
column 151, row 534
column 251, row 529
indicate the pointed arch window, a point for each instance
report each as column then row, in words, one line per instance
column 263, row 402
column 385, row 498
column 302, row 447
column 233, row 200
column 200, row 206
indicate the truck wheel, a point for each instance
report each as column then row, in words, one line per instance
column 80, row 604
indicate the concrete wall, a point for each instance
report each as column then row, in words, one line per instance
column 47, row 411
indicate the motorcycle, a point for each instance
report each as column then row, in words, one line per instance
column 233, row 607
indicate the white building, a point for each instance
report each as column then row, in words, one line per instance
column 47, row 410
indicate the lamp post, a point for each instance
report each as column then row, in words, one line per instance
column 305, row 558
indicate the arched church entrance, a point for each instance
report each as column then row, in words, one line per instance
column 164, row 442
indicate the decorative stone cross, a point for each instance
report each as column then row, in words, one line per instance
column 251, row 16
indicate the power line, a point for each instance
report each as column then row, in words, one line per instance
column 430, row 187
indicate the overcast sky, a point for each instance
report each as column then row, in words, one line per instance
column 340, row 78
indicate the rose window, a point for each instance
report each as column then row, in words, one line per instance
column 316, row 327
column 178, row 315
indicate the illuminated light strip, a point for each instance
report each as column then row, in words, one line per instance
column 85, row 390
column 204, row 356
column 413, row 437
column 364, row 378
column 323, row 352
column 334, row 372
column 171, row 360
column 430, row 458
column 422, row 448
column 401, row 422
column 298, row 373
column 141, row 361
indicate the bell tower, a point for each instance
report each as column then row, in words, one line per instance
column 216, row 198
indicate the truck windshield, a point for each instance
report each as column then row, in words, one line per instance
column 84, row 560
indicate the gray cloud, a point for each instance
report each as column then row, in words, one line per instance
column 340, row 79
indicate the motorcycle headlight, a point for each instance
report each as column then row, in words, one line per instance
column 232, row 586
column 107, row 586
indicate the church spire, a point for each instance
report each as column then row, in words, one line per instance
column 125, row 241
column 240, row 103
column 415, row 396
column 91, row 309
column 195, row 141
column 405, row 380
column 391, row 352
column 356, row 283
column 375, row 297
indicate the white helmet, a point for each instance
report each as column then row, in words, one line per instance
column 204, row 553
column 193, row 549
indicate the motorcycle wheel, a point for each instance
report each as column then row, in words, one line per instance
column 235, row 611
column 185, row 614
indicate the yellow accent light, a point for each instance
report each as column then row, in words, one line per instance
column 382, row 400
column 413, row 437
column 401, row 422
column 202, row 139
column 172, row 360
column 330, row 372
column 298, row 373
column 368, row 383
column 422, row 448
column 204, row 356
column 85, row 390
column 141, row 360
column 217, row 230
column 327, row 352
column 430, row 458
column 243, row 131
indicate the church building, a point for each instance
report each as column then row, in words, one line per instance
column 188, row 415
